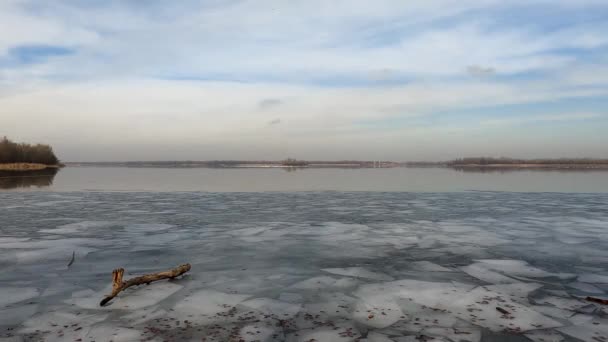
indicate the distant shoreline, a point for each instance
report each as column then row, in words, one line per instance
column 26, row 167
column 532, row 166
column 490, row 163
column 235, row 164
column 348, row 165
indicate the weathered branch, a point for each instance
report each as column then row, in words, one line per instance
column 118, row 285
column 597, row 300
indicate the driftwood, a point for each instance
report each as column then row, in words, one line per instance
column 597, row 300
column 119, row 285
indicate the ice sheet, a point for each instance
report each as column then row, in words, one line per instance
column 544, row 336
column 302, row 266
column 588, row 328
column 358, row 272
column 593, row 278
column 130, row 299
column 12, row 295
column 207, row 305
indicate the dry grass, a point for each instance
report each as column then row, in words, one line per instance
column 25, row 166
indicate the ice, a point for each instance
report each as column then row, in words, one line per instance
column 428, row 266
column 50, row 203
column 8, row 241
column 513, row 268
column 301, row 266
column 110, row 332
column 249, row 231
column 291, row 297
column 544, row 336
column 12, row 295
column 88, row 298
column 61, row 326
column 130, row 299
column 477, row 305
column 329, row 306
column 206, row 305
column 421, row 317
column 30, row 251
column 148, row 227
column 504, row 271
column 77, row 227
column 54, row 253
column 17, row 314
column 593, row 278
column 584, row 287
column 279, row 309
column 552, row 311
column 480, row 272
column 260, row 332
column 324, row 282
column 377, row 311
column 338, row 331
column 373, row 336
column 559, row 293
column 137, row 317
column 588, row 328
column 517, row 292
column 406, row 288
column 562, row 303
column 417, row 339
column 358, row 272
column 454, row 334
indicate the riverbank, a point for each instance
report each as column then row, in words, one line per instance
column 26, row 167
column 239, row 164
column 530, row 166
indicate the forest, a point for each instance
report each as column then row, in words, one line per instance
column 12, row 152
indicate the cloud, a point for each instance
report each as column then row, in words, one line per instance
column 142, row 110
column 24, row 27
column 296, row 42
column 181, row 73
column 478, row 71
column 269, row 103
column 510, row 121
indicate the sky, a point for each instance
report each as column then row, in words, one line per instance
column 109, row 80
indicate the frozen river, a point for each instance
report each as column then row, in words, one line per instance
column 305, row 266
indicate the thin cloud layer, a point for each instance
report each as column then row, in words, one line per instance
column 357, row 79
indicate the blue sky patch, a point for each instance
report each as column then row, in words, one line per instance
column 29, row 54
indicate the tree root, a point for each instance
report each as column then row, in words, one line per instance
column 119, row 285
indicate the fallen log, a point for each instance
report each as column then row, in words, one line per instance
column 119, row 285
column 597, row 300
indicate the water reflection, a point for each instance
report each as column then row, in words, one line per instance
column 27, row 179
column 306, row 179
column 507, row 169
column 292, row 168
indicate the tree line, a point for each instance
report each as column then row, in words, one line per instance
column 512, row 161
column 12, row 152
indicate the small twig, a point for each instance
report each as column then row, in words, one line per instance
column 119, row 285
column 73, row 258
column 502, row 311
